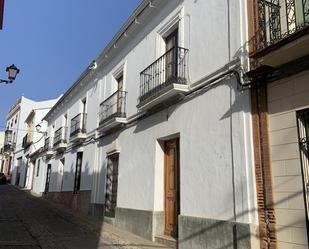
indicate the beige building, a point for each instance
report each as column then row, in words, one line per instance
column 279, row 49
column 288, row 108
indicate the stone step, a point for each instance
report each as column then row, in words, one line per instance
column 166, row 240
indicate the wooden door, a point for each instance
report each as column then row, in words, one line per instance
column 172, row 193
column 171, row 56
column 48, row 173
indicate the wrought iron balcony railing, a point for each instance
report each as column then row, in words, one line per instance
column 8, row 137
column 9, row 147
column 60, row 136
column 113, row 107
column 26, row 141
column 78, row 124
column 47, row 144
column 170, row 68
column 277, row 20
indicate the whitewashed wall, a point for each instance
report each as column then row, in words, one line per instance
column 214, row 128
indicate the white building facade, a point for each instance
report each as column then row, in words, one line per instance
column 156, row 134
column 16, row 131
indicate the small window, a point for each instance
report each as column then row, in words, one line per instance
column 111, row 188
column 38, row 168
column 78, row 171
column 303, row 141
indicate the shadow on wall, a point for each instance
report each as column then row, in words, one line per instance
column 57, row 185
column 207, row 231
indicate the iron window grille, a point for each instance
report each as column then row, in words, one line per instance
column 303, row 135
column 111, row 185
column 47, row 144
column 278, row 19
column 78, row 124
column 78, row 172
column 113, row 107
column 26, row 141
column 60, row 136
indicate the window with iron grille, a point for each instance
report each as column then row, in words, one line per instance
column 111, row 185
column 78, row 171
column 303, row 134
column 38, row 168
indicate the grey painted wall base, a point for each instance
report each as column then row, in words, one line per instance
column 96, row 210
column 146, row 224
column 203, row 233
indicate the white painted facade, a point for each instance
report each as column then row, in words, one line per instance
column 213, row 124
column 16, row 123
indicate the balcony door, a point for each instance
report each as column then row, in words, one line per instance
column 171, row 187
column 171, row 43
column 119, row 94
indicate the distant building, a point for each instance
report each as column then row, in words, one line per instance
column 155, row 135
column 16, row 130
column 279, row 53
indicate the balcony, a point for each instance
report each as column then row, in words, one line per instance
column 164, row 79
column 282, row 32
column 78, row 128
column 10, row 147
column 27, row 141
column 113, row 111
column 60, row 139
column 47, row 149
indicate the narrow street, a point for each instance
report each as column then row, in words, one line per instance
column 27, row 222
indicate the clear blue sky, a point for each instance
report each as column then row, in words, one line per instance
column 52, row 42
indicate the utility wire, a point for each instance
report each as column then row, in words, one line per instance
column 16, row 129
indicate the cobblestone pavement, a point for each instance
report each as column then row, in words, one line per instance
column 27, row 222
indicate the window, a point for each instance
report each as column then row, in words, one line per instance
column 111, row 185
column 303, row 131
column 78, row 171
column 2, row 165
column 84, row 102
column 38, row 168
column 65, row 120
column 119, row 93
column 301, row 12
column 8, row 137
column 171, row 42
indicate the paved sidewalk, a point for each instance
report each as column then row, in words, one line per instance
column 107, row 232
column 28, row 222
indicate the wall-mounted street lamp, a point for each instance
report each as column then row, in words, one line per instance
column 38, row 128
column 12, row 72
